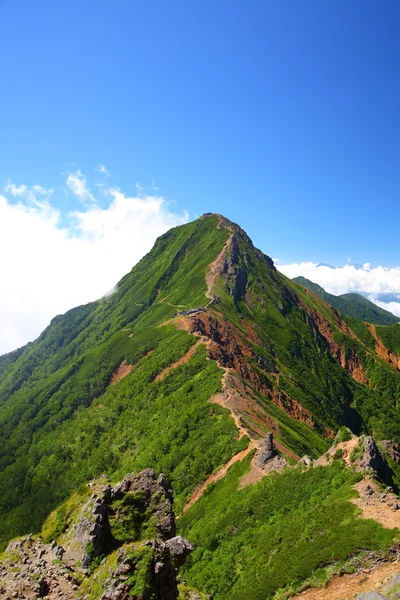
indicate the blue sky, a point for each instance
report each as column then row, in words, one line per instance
column 284, row 116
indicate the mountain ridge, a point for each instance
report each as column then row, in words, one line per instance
column 203, row 350
column 352, row 304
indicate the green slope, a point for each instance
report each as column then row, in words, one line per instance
column 351, row 304
column 266, row 540
column 62, row 423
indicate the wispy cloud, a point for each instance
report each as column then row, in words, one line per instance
column 49, row 268
column 78, row 185
column 102, row 169
column 373, row 281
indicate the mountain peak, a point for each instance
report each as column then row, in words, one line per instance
column 210, row 366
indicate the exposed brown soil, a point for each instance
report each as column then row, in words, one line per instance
column 226, row 399
column 253, row 476
column 184, row 359
column 345, row 447
column 120, row 372
column 382, row 351
column 249, row 418
column 348, row 359
column 277, row 463
column 375, row 506
column 347, row 587
column 231, row 349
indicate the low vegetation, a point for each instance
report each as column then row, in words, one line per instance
column 270, row 537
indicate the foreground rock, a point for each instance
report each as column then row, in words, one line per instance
column 122, row 535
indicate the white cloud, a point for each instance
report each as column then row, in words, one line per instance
column 46, row 270
column 77, row 183
column 393, row 307
column 15, row 190
column 102, row 169
column 351, row 278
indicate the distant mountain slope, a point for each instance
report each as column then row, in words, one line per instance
column 354, row 305
column 202, row 350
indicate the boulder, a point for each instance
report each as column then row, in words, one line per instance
column 266, row 451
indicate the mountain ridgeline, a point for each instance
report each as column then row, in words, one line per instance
column 351, row 304
column 202, row 351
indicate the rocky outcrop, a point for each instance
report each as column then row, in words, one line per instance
column 136, row 516
column 91, row 534
column 267, row 458
column 160, row 570
column 233, row 272
column 392, row 449
column 371, row 459
column 266, row 451
column 153, row 498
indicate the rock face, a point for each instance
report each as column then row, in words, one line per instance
column 134, row 517
column 266, row 451
column 152, row 494
column 371, row 459
column 392, row 450
column 165, row 557
column 91, row 535
column 267, row 459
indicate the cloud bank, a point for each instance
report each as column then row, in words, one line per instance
column 47, row 268
column 374, row 282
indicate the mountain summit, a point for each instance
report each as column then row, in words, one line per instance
column 210, row 366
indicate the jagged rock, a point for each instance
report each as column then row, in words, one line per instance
column 392, row 449
column 371, row 459
column 179, row 548
column 161, row 573
column 266, row 451
column 267, row 459
column 92, row 533
column 154, row 493
column 50, row 570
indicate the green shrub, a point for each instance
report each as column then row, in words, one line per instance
column 343, row 435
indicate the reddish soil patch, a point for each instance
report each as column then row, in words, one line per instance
column 348, row 359
column 120, row 372
column 229, row 347
column 382, row 351
column 347, row 587
column 184, row 359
